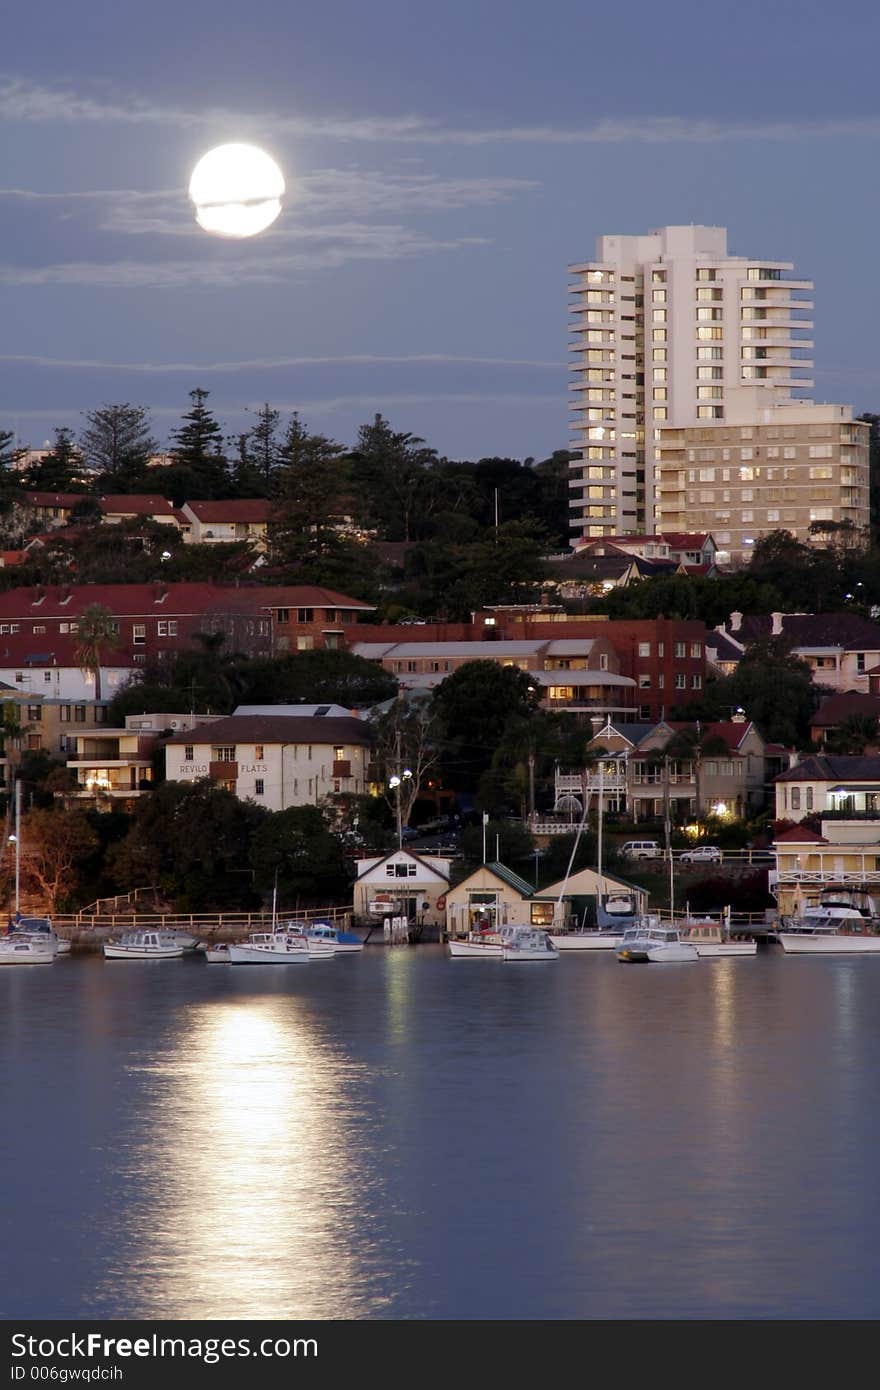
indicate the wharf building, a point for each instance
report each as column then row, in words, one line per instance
column 672, row 334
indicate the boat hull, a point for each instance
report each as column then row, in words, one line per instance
column 475, row 950
column 587, row 941
column 116, row 951
column 831, row 944
column 526, row 954
column 242, row 954
column 27, row 953
column 713, row 949
column 677, row 951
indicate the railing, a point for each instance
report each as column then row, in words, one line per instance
column 199, row 923
column 827, row 876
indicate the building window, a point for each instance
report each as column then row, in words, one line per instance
column 809, row 798
column 644, row 649
column 258, row 752
column 644, row 682
column 64, row 714
column 305, row 644
column 680, row 649
column 139, row 634
column 189, row 753
column 680, row 681
column 795, row 798
column 305, row 615
column 860, row 661
column 224, row 753
column 283, row 615
column 696, row 649
column 79, row 714
column 259, row 786
column 34, row 713
column 696, row 682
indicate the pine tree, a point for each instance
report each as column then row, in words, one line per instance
column 117, row 442
column 198, row 451
column 60, row 470
column 390, row 470
column 311, row 486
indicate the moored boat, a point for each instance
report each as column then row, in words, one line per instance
column 24, row 948
column 829, row 935
column 280, row 947
column 521, row 943
column 713, row 940
column 143, row 945
column 345, row 942
column 482, row 944
column 653, row 941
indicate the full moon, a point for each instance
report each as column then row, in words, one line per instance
column 236, row 190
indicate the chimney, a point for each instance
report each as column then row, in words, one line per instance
column 736, row 622
column 776, row 629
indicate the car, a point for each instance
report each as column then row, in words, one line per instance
column 642, row 849
column 702, row 854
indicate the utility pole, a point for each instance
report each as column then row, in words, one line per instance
column 531, row 786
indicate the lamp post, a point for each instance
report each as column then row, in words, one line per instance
column 398, row 778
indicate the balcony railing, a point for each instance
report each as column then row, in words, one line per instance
column 223, row 772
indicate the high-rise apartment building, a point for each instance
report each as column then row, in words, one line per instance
column 666, row 327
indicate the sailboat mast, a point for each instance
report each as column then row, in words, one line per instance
column 599, row 837
column 17, row 844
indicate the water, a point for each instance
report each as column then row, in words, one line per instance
column 400, row 1135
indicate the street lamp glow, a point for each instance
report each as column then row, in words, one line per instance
column 237, row 190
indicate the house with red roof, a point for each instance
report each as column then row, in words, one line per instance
column 235, row 519
column 828, row 782
column 843, row 857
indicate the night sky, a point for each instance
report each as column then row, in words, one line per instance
column 444, row 163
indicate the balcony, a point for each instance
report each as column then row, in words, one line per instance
column 223, row 772
column 342, row 767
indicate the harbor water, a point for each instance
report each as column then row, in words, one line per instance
column 400, row 1135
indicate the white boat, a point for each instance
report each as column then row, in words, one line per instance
column 25, row 948
column 40, row 931
column 482, row 944
column 654, row 941
column 271, row 948
column 345, row 943
column 217, row 953
column 527, row 944
column 143, row 945
column 712, row 939
column 829, row 935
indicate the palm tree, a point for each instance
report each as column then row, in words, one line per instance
column 97, row 630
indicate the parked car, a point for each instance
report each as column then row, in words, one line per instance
column 702, row 854
column 642, row 849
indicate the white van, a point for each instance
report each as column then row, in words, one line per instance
column 642, row 849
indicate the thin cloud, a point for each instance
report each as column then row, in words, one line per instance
column 262, row 364
column 22, row 100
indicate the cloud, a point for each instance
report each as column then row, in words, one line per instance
column 263, row 364
column 319, row 248
column 22, row 100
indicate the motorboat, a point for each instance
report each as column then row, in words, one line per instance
column 483, row 943
column 712, row 938
column 656, row 942
column 184, row 938
column 42, row 932
column 280, row 947
column 27, row 948
column 527, row 944
column 143, row 945
column 829, row 934
column 343, row 943
column 217, row 953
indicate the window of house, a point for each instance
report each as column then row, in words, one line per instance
column 79, row 714
column 809, row 798
column 47, row 677
column 258, row 752
column 681, row 649
column 795, row 798
column 603, row 661
column 696, row 649
column 680, row 681
column 696, row 682
column 139, row 634
column 224, row 753
column 189, row 753
column 64, row 714
column 305, row 615
column 645, row 647
column 860, row 661
column 259, row 786
column 644, row 682
column 339, row 754
column 34, row 742
column 306, row 644
column 283, row 615
column 34, row 713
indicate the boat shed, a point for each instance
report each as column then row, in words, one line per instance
column 578, row 894
column 412, row 885
column 492, row 894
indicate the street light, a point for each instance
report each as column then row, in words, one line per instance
column 395, row 782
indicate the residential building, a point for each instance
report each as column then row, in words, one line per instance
column 764, row 467
column 837, row 709
column 116, row 766
column 828, row 782
column 666, row 326
column 841, row 649
column 846, row 854
column 234, row 519
column 275, row 760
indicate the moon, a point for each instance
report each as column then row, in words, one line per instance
column 237, row 190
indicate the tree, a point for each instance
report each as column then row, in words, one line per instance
column 315, row 677
column 474, row 706
column 406, row 739
column 200, row 464
column 260, row 454
column 854, row 735
column 53, row 843
column 58, row 471
column 118, row 442
column 389, row 470
column 310, row 489
column 9, row 450
column 193, row 841
column 308, row 859
column 97, row 630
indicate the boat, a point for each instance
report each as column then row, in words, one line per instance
column 280, row 947
column 345, row 942
column 828, row 935
column 613, row 914
column 217, row 953
column 26, row 948
column 143, row 945
column 652, row 940
column 40, row 930
column 712, row 938
column 527, row 944
column 484, row 943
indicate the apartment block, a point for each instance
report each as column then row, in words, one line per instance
column 665, row 326
column 764, row 468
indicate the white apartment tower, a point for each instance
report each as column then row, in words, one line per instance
column 666, row 326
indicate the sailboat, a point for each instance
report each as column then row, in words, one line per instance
column 28, row 940
column 612, row 917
